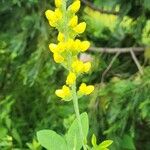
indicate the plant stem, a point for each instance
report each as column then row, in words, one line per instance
column 76, row 108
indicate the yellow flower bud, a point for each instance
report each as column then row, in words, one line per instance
column 58, row 3
column 85, row 90
column 74, row 21
column 75, row 6
column 71, row 78
column 64, row 92
column 58, row 58
column 87, row 66
column 60, row 37
column 80, row 28
column 84, row 46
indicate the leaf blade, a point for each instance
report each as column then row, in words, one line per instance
column 51, row 140
column 73, row 137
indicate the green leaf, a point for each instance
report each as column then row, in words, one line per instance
column 94, row 140
column 127, row 142
column 51, row 140
column 73, row 137
column 105, row 144
column 147, row 4
column 16, row 136
column 34, row 145
column 3, row 132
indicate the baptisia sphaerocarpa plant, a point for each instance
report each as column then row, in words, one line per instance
column 65, row 52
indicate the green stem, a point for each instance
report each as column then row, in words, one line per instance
column 76, row 108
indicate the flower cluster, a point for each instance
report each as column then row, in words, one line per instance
column 66, row 51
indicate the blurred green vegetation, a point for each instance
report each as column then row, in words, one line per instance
column 118, row 109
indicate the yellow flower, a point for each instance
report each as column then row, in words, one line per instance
column 53, row 47
column 57, row 48
column 74, row 21
column 85, row 90
column 80, row 28
column 60, row 37
column 64, row 92
column 53, row 17
column 61, row 47
column 69, row 44
column 58, row 58
column 78, row 66
column 71, row 78
column 77, row 44
column 87, row 66
column 50, row 15
column 84, row 46
column 58, row 3
column 58, row 14
column 75, row 6
column 53, row 24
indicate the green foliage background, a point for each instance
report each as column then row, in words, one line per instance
column 118, row 109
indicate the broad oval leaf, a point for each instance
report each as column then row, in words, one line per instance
column 51, row 140
column 73, row 137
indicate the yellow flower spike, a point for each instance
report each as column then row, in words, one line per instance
column 58, row 3
column 74, row 21
column 75, row 6
column 80, row 28
column 84, row 46
column 58, row 58
column 68, row 48
column 60, row 37
column 64, row 92
column 87, row 67
column 78, row 66
column 71, row 78
column 86, row 90
column 53, row 47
